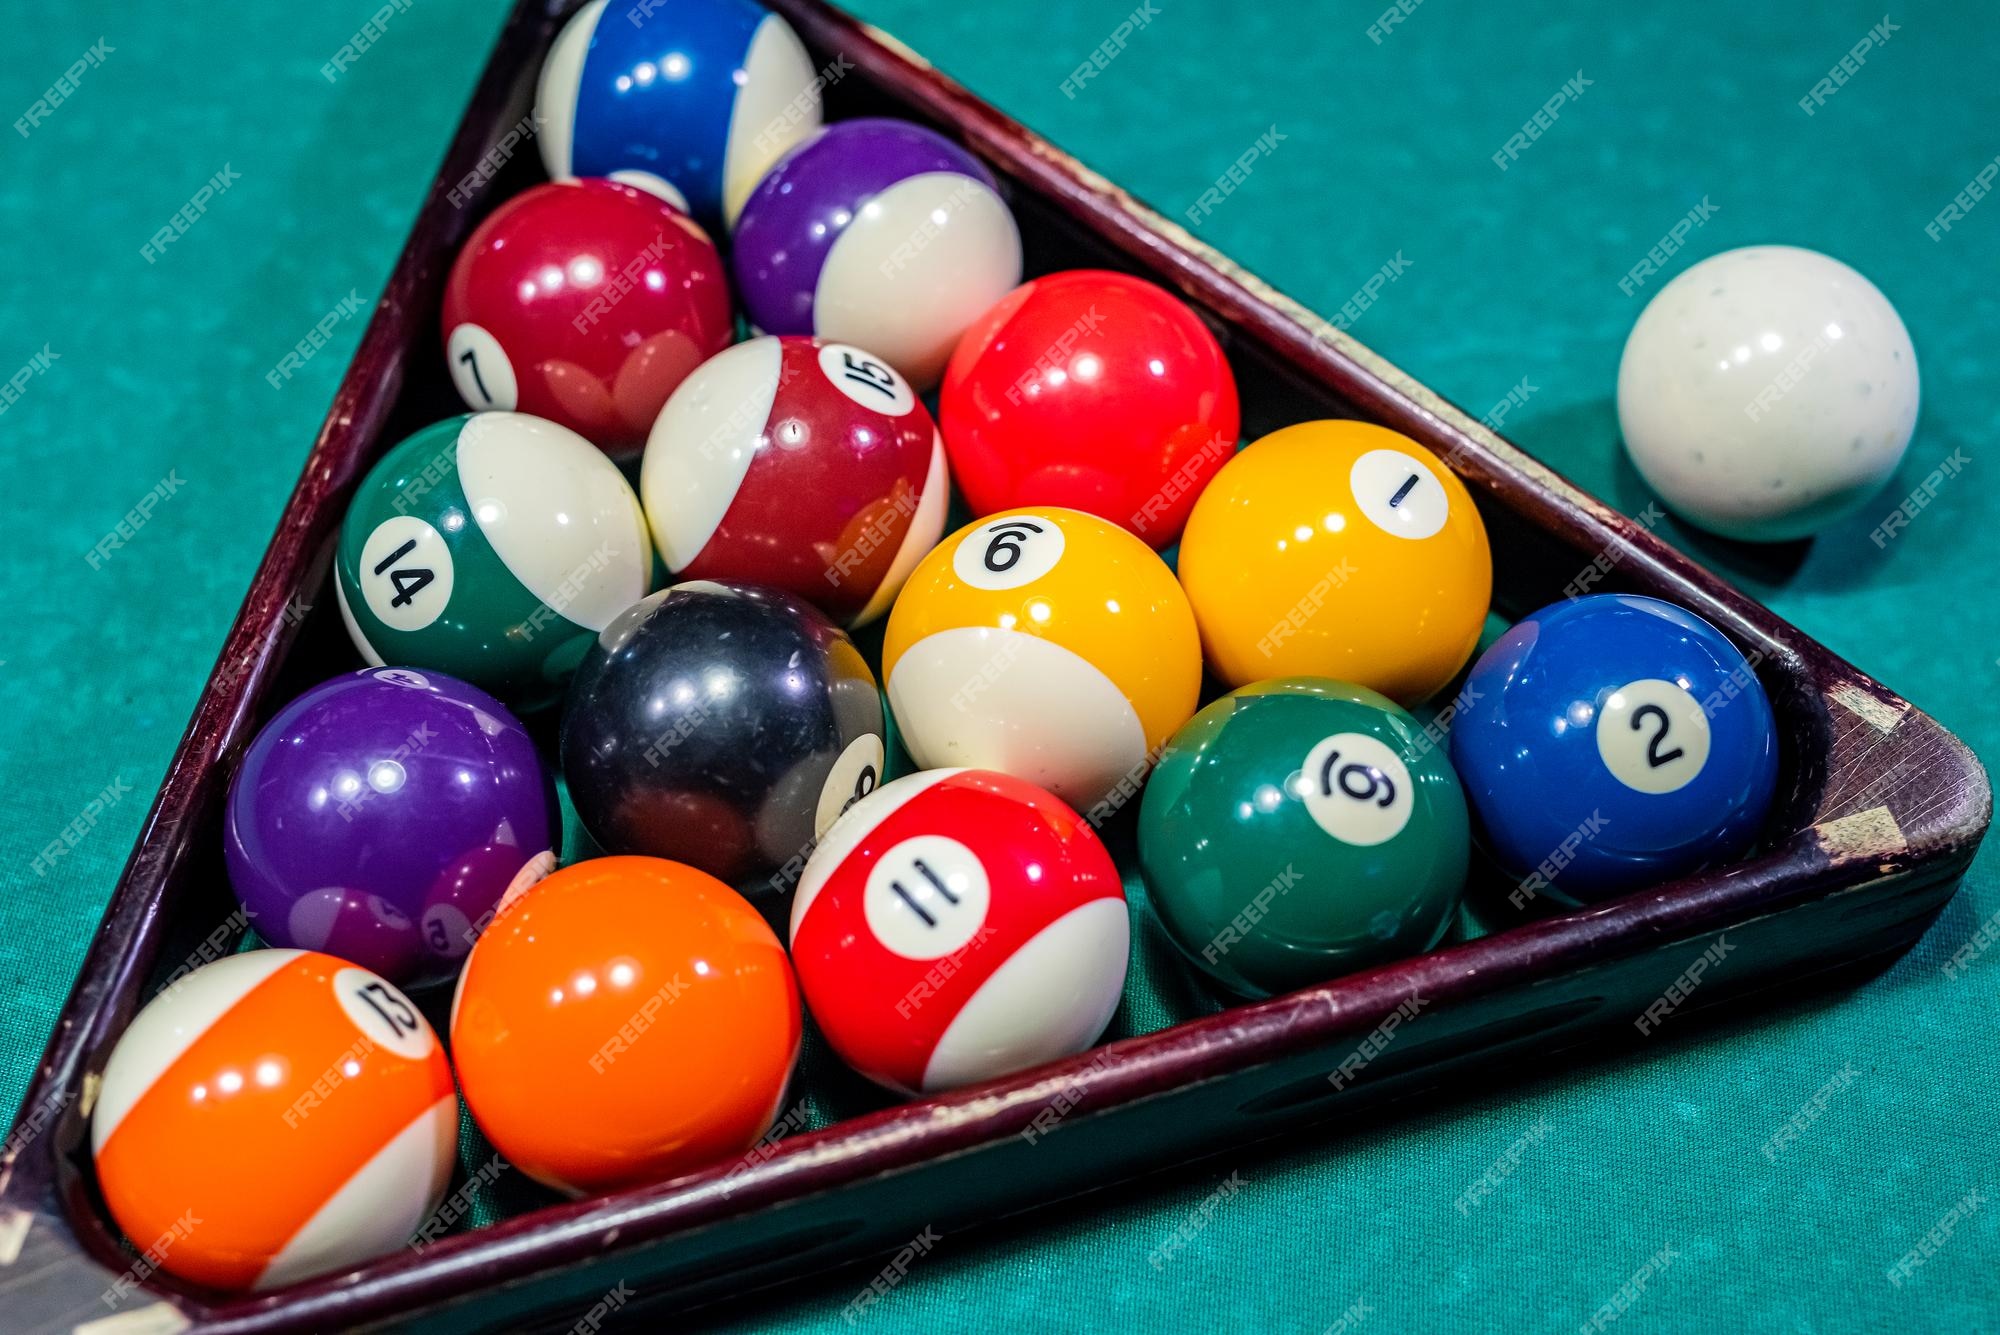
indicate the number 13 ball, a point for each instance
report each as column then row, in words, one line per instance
column 1342, row 550
column 1047, row 644
column 1615, row 741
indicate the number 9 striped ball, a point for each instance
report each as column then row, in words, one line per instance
column 699, row 96
column 1044, row 643
column 956, row 926
column 492, row 547
column 272, row 1116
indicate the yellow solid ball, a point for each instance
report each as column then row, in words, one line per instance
column 1045, row 643
column 1338, row 549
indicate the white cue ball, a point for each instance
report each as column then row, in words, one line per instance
column 1766, row 392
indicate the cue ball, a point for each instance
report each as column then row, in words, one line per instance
column 297, row 1109
column 801, row 465
column 879, row 233
column 623, row 1022
column 381, row 815
column 1617, row 742
column 1044, row 643
column 1300, row 829
column 1767, row 392
column 693, row 99
column 584, row 302
column 1341, row 550
column 721, row 725
column 494, row 547
column 1092, row 390
column 957, row 926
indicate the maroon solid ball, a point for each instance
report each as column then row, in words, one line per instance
column 801, row 465
column 586, row 303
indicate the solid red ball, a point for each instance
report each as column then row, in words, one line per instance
column 1092, row 390
column 587, row 303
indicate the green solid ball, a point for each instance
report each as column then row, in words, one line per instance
column 1300, row 829
column 493, row 547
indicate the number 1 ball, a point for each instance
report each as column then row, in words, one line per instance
column 1300, row 829
column 586, row 303
column 1616, row 742
column 622, row 1022
column 273, row 1116
column 957, row 926
column 492, row 547
column 720, row 725
column 799, row 465
column 1341, row 550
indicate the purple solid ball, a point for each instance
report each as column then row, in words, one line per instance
column 380, row 817
column 799, row 210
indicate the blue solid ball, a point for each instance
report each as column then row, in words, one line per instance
column 1612, row 742
column 693, row 99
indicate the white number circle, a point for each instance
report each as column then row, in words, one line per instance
column 405, row 573
column 1356, row 789
column 1008, row 553
column 926, row 897
column 1652, row 735
column 855, row 774
column 385, row 1017
column 1399, row 493
column 480, row 369
column 868, row 380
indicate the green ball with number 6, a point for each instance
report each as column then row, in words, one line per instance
column 494, row 547
column 1299, row 829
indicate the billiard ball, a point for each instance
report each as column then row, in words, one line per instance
column 584, row 302
column 1300, row 829
column 625, row 1021
column 272, row 1116
column 879, row 233
column 801, row 465
column 720, row 725
column 1341, row 550
column 1613, row 742
column 695, row 98
column 956, row 926
column 1766, row 392
column 492, row 547
column 381, row 815
column 1091, row 390
column 1044, row 643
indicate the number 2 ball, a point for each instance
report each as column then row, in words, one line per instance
column 956, row 926
column 1614, row 741
column 799, row 465
column 1299, row 829
column 1341, row 550
column 586, row 303
column 272, row 1116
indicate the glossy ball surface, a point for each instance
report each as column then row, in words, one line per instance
column 381, row 815
column 585, row 303
column 1091, row 390
column 1341, row 550
column 724, row 726
column 272, row 1116
column 695, row 98
column 879, row 233
column 1044, row 643
column 1614, row 742
column 957, row 926
column 625, row 1021
column 493, row 547
column 1300, row 829
column 800, row 465
column 1767, row 392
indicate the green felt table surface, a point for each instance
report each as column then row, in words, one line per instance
column 154, row 382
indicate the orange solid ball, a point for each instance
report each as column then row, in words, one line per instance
column 624, row 1021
